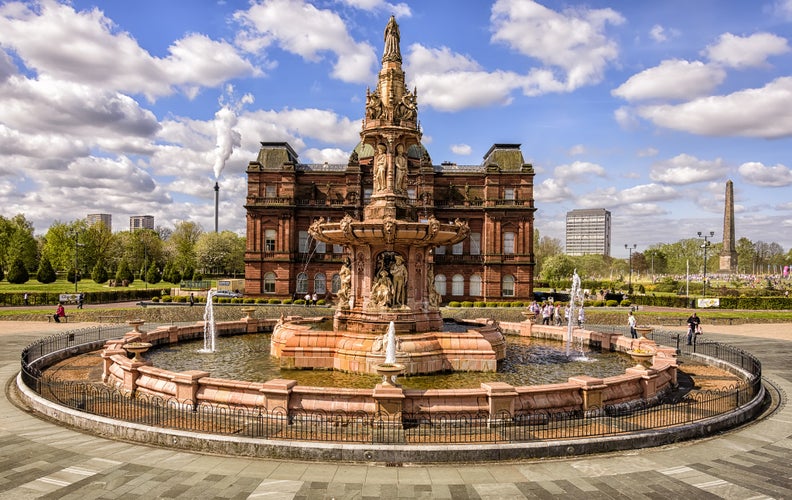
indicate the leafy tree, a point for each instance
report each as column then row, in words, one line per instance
column 181, row 246
column 74, row 275
column 2, row 273
column 171, row 274
column 746, row 255
column 45, row 274
column 658, row 263
column 558, row 268
column 545, row 247
column 153, row 274
column 220, row 253
column 124, row 273
column 99, row 273
column 17, row 242
column 18, row 274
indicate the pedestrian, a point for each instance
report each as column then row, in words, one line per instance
column 631, row 323
column 314, row 299
column 60, row 312
column 25, row 298
column 693, row 327
column 581, row 317
column 557, row 315
column 192, row 299
column 80, row 299
column 307, row 300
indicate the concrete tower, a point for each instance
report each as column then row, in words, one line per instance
column 728, row 255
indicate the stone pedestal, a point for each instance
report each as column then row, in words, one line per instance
column 591, row 389
column 388, row 426
column 187, row 386
column 501, row 401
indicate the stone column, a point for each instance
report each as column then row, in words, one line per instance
column 187, row 386
column 501, row 398
column 591, row 391
column 388, row 427
column 728, row 255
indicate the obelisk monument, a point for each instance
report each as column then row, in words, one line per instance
column 728, row 255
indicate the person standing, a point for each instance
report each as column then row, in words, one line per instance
column 693, row 326
column 581, row 317
column 632, row 323
column 25, row 298
column 80, row 299
column 192, row 299
column 60, row 312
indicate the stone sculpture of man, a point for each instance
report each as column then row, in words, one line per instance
column 380, row 170
column 399, row 273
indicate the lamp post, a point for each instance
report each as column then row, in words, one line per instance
column 629, row 282
column 705, row 245
column 77, row 245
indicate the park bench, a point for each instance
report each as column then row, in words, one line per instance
column 50, row 318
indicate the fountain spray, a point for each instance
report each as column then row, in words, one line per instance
column 573, row 296
column 390, row 344
column 210, row 329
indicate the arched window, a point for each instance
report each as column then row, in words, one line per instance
column 508, row 243
column 507, row 286
column 269, row 240
column 302, row 283
column 458, row 285
column 440, row 284
column 335, row 285
column 269, row 282
column 475, row 285
column 320, row 284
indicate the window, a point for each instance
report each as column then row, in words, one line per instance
column 475, row 243
column 508, row 194
column 320, row 284
column 338, row 248
column 440, row 284
column 507, row 286
column 303, row 247
column 269, row 282
column 458, row 285
column 508, row 243
column 440, row 250
column 271, row 191
column 475, row 285
column 367, row 195
column 335, row 284
column 302, row 284
column 411, row 193
column 321, row 247
column 457, row 248
column 269, row 240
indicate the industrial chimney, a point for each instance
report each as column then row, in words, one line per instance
column 217, row 202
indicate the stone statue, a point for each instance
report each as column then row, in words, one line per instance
column 373, row 106
column 434, row 297
column 346, row 225
column 382, row 291
column 401, row 170
column 380, row 170
column 345, row 292
column 399, row 273
column 392, row 51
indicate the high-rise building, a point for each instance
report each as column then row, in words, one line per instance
column 494, row 198
column 588, row 231
column 105, row 219
column 141, row 222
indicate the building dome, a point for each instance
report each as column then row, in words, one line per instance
column 364, row 150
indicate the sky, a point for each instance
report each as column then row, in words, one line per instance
column 645, row 109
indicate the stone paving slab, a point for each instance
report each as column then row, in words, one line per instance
column 39, row 459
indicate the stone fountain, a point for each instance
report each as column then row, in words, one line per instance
column 388, row 273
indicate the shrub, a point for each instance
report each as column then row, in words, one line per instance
column 492, row 304
column 99, row 273
column 17, row 274
column 479, row 303
column 454, row 303
column 299, row 302
column 467, row 303
column 167, row 298
column 517, row 303
column 273, row 301
column 625, row 303
column 287, row 301
column 611, row 303
column 321, row 302
column 504, row 304
column 46, row 274
column 155, row 299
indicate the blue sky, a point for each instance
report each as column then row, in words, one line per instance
column 643, row 108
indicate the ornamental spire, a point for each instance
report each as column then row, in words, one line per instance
column 392, row 38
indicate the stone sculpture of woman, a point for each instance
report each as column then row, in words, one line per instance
column 392, row 39
column 399, row 273
column 380, row 170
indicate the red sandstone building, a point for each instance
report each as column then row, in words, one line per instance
column 495, row 198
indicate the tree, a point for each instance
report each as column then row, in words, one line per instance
column 558, row 268
column 181, row 246
column 220, row 253
column 124, row 273
column 17, row 242
column 545, row 247
column 99, row 273
column 171, row 274
column 18, row 274
column 656, row 258
column 45, row 274
column 153, row 274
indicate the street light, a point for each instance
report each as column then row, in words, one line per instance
column 705, row 246
column 629, row 282
column 77, row 245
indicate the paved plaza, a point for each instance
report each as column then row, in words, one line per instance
column 39, row 459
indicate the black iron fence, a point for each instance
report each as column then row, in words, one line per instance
column 359, row 427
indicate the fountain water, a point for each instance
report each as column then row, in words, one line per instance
column 390, row 344
column 210, row 329
column 574, row 298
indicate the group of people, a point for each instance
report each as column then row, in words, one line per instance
column 552, row 314
column 693, row 322
column 311, row 300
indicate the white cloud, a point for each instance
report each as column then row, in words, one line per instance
column 672, row 79
column 89, row 51
column 745, row 52
column 612, row 197
column 461, row 149
column 761, row 112
column 783, row 8
column 320, row 31
column 576, row 150
column 577, row 171
column 399, row 10
column 573, row 41
column 648, row 152
column 760, row 175
column 686, row 169
column 551, row 191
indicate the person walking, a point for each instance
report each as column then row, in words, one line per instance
column 80, row 299
column 693, row 326
column 25, row 298
column 631, row 322
column 192, row 299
